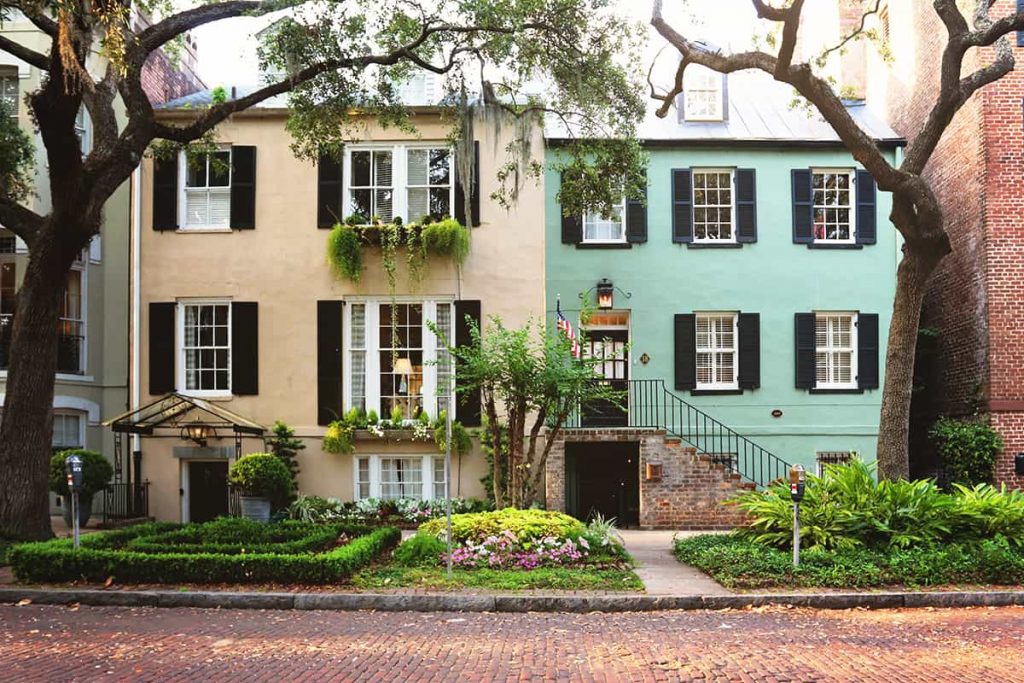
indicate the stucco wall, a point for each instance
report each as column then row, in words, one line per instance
column 773, row 277
column 282, row 266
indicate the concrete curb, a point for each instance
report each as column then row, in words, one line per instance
column 452, row 602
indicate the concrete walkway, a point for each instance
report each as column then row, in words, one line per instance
column 658, row 568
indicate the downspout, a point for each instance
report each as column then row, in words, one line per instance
column 136, row 322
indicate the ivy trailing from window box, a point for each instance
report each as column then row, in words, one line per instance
column 445, row 238
column 340, row 437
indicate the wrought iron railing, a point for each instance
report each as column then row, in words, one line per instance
column 125, row 501
column 648, row 404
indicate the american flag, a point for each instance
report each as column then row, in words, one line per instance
column 565, row 327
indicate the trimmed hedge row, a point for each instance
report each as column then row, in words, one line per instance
column 297, row 539
column 57, row 560
column 737, row 562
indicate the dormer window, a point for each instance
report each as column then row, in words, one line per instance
column 702, row 94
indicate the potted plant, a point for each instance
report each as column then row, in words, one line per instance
column 263, row 482
column 96, row 473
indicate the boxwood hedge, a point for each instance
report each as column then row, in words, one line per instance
column 111, row 555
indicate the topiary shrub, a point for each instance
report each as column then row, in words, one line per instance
column 262, row 475
column 420, row 550
column 96, row 472
column 527, row 525
column 968, row 449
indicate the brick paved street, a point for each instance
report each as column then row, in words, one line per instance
column 64, row 644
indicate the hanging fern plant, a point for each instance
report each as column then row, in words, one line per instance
column 345, row 252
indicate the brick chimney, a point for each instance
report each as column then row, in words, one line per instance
column 852, row 61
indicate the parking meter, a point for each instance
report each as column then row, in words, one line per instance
column 797, row 475
column 73, row 467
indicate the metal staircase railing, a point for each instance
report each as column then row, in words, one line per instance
column 652, row 406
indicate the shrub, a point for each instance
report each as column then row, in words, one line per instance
column 316, row 509
column 527, row 525
column 286, row 447
column 345, row 252
column 262, row 475
column 107, row 555
column 968, row 449
column 420, row 550
column 446, row 238
column 96, row 472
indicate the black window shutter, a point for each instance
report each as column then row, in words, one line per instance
column 243, row 188
column 467, row 403
column 682, row 205
column 474, row 198
column 328, row 361
column 806, row 364
column 867, row 350
column 162, row 340
column 686, row 351
column 245, row 348
column 1020, row 34
column 165, row 193
column 328, row 191
column 867, row 215
column 636, row 218
column 572, row 226
column 749, row 325
column 803, row 218
column 746, row 205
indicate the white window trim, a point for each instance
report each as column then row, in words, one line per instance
column 719, row 113
column 853, row 383
column 732, row 206
column 852, row 173
column 179, row 347
column 427, row 473
column 722, row 386
column 80, row 266
column 399, row 174
column 620, row 240
column 183, row 225
column 372, row 350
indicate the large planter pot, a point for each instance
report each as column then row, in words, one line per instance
column 255, row 508
column 84, row 509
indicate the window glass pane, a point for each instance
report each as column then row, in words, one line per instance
column 832, row 205
column 712, row 205
column 362, row 478
column 207, row 350
column 220, row 169
column 360, row 169
column 598, row 228
column 9, row 92
column 401, row 478
column 401, row 359
column 834, row 340
column 195, row 173
column 439, row 487
column 716, row 350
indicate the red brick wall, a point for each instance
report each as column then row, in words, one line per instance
column 164, row 81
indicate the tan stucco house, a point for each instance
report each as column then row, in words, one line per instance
column 240, row 309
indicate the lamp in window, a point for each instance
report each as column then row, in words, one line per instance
column 198, row 433
column 403, row 368
column 605, row 294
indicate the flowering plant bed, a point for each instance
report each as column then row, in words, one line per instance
column 406, row 513
column 225, row 550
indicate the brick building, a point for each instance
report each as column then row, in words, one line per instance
column 976, row 363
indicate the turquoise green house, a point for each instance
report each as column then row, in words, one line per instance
column 744, row 310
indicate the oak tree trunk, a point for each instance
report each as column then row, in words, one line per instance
column 27, row 426
column 894, row 425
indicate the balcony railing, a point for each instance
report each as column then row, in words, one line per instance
column 648, row 404
column 69, row 349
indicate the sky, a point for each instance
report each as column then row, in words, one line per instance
column 227, row 49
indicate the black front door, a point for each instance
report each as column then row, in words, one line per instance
column 207, row 490
column 609, row 347
column 603, row 478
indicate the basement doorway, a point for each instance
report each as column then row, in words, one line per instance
column 603, row 478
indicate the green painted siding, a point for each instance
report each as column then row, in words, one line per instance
column 773, row 277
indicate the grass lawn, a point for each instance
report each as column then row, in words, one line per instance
column 559, row 578
column 736, row 562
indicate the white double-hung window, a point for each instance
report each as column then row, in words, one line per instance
column 407, row 181
column 205, row 343
column 835, row 344
column 601, row 229
column 703, row 97
column 396, row 364
column 713, row 216
column 206, row 201
column 390, row 477
column 717, row 351
column 832, row 205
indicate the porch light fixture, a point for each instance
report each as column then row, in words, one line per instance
column 198, row 433
column 605, row 294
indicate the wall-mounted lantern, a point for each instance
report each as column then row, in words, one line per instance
column 605, row 294
column 198, row 433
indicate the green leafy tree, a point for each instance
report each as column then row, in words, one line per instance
column 285, row 446
column 530, row 385
column 339, row 62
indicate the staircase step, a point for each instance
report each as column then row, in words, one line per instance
column 673, row 441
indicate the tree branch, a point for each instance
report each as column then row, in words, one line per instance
column 36, row 59
column 790, row 28
column 21, row 221
column 856, row 32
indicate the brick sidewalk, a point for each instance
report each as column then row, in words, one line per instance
column 53, row 643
